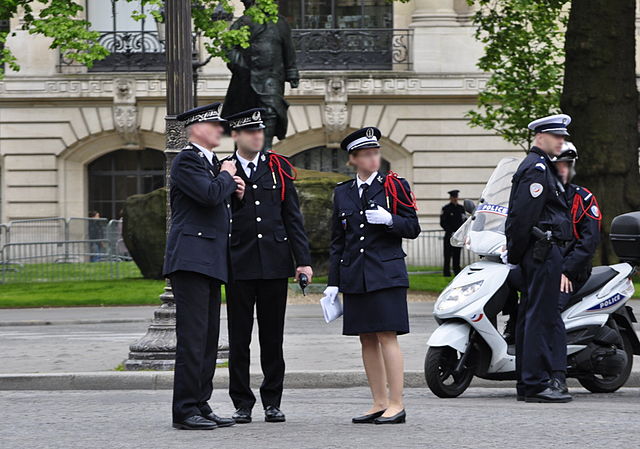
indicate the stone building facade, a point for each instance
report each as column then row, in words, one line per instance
column 74, row 139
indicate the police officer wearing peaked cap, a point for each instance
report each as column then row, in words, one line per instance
column 372, row 214
column 452, row 217
column 268, row 234
column 196, row 261
column 538, row 201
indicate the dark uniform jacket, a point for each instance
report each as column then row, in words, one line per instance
column 200, row 216
column 366, row 257
column 265, row 65
column 452, row 217
column 537, row 199
column 586, row 217
column 266, row 230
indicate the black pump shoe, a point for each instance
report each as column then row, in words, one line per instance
column 367, row 419
column 398, row 418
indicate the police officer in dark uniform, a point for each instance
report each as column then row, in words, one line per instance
column 578, row 254
column 451, row 218
column 538, row 203
column 196, row 261
column 372, row 214
column 268, row 234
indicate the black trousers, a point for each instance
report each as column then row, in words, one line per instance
column 197, row 329
column 269, row 298
column 450, row 252
column 538, row 318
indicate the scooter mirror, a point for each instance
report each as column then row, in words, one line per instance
column 469, row 206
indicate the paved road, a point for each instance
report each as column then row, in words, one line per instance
column 102, row 346
column 482, row 418
column 310, row 344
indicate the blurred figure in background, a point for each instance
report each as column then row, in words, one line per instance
column 451, row 219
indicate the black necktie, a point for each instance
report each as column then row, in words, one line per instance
column 363, row 198
column 252, row 169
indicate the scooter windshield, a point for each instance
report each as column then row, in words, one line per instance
column 483, row 232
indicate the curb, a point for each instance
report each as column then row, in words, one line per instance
column 163, row 380
column 68, row 322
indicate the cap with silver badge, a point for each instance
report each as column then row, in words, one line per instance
column 552, row 124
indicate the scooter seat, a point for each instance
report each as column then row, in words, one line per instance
column 599, row 277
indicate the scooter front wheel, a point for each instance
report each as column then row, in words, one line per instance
column 439, row 371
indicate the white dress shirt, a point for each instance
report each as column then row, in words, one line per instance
column 245, row 163
column 368, row 182
column 207, row 153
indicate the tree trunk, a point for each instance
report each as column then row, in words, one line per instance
column 601, row 96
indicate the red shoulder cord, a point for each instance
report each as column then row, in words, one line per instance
column 275, row 164
column 575, row 218
column 391, row 183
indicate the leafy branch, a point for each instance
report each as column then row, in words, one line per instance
column 60, row 21
column 523, row 53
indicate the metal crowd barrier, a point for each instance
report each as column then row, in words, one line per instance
column 58, row 249
column 428, row 250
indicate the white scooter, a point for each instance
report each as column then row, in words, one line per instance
column 601, row 340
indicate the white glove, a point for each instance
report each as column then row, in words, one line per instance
column 505, row 260
column 331, row 292
column 379, row 216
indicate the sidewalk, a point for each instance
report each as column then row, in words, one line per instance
column 94, row 341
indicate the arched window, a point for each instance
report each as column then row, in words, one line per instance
column 327, row 159
column 116, row 176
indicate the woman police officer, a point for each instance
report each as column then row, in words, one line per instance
column 372, row 214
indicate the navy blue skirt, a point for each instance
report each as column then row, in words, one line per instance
column 379, row 311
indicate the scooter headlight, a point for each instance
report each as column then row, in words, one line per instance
column 457, row 296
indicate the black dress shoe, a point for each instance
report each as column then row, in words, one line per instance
column 242, row 416
column 221, row 422
column 195, row 422
column 398, row 418
column 560, row 385
column 550, row 395
column 367, row 419
column 273, row 414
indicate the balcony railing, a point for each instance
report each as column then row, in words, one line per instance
column 316, row 49
column 130, row 51
column 353, row 49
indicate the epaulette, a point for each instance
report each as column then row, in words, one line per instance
column 540, row 166
column 344, row 182
column 584, row 193
column 276, row 154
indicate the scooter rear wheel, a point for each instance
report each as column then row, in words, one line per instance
column 439, row 366
column 600, row 384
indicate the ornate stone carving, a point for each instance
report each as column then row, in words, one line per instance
column 125, row 113
column 336, row 113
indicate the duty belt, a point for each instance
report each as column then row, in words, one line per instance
column 539, row 234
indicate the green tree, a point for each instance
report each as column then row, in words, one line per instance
column 59, row 20
column 523, row 48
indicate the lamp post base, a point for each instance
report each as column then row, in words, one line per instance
column 156, row 350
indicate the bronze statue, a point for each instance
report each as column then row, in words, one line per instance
column 260, row 71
